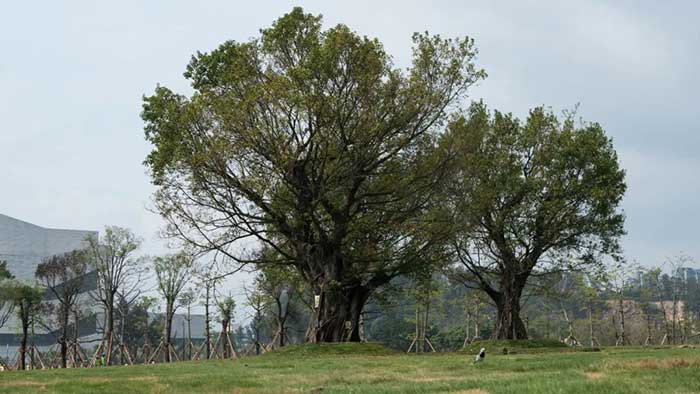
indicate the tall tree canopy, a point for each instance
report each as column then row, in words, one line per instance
column 312, row 143
column 530, row 198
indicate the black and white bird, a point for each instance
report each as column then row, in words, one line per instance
column 481, row 356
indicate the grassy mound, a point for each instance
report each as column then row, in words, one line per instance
column 335, row 349
column 516, row 346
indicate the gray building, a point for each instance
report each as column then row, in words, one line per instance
column 180, row 327
column 23, row 246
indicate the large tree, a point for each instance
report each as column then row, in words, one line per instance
column 530, row 198
column 63, row 276
column 118, row 271
column 172, row 274
column 312, row 143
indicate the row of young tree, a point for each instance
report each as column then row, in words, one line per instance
column 618, row 306
column 106, row 281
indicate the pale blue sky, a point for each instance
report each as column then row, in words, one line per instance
column 72, row 75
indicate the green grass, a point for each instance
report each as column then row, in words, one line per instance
column 373, row 369
column 337, row 349
column 494, row 347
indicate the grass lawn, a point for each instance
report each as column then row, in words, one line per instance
column 343, row 369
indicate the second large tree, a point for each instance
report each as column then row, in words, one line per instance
column 310, row 143
column 529, row 198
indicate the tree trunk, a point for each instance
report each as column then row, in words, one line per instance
column 674, row 318
column 257, row 330
column 23, row 342
column 207, row 332
column 281, row 321
column 548, row 318
column 617, row 332
column 189, row 332
column 168, row 329
column 224, row 334
column 109, row 330
column 337, row 317
column 622, row 323
column 65, row 314
column 590, row 324
column 509, row 325
column 32, row 355
column 467, row 328
column 122, row 318
column 76, row 332
column 281, row 329
column 477, row 315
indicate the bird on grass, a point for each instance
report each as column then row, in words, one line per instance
column 481, row 356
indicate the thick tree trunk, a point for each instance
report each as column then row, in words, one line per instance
column 506, row 298
column 509, row 325
column 337, row 317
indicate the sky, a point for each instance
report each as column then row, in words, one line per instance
column 72, row 75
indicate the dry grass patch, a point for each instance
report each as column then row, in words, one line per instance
column 434, row 378
column 23, row 383
column 101, row 380
column 471, row 391
column 649, row 363
column 594, row 375
column 144, row 379
column 96, row 380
